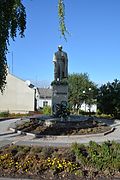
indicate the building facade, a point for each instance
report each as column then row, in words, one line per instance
column 85, row 107
column 44, row 97
column 17, row 97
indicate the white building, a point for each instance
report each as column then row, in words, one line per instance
column 85, row 107
column 44, row 97
column 18, row 97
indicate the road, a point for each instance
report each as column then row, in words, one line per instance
column 9, row 137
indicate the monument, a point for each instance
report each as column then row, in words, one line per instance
column 60, row 83
column 60, row 64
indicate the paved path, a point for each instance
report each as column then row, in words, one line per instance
column 68, row 140
column 8, row 137
column 5, row 124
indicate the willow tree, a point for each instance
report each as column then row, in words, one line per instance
column 12, row 20
column 61, row 15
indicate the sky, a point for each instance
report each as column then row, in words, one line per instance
column 93, row 45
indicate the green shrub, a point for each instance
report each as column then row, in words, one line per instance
column 80, row 152
column 46, row 110
column 107, row 116
column 19, row 115
column 4, row 114
column 104, row 157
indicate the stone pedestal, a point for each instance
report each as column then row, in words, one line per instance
column 59, row 94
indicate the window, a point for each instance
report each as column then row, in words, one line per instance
column 45, row 103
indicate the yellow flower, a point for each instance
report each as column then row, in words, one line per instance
column 53, row 163
column 60, row 166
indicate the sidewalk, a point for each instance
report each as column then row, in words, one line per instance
column 65, row 141
column 68, row 140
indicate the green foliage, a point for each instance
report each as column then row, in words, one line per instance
column 61, row 15
column 104, row 157
column 80, row 152
column 12, row 18
column 46, row 110
column 4, row 114
column 15, row 115
column 78, row 83
column 109, row 98
column 12, row 161
column 84, row 160
column 106, row 116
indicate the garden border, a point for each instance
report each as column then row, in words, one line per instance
column 54, row 136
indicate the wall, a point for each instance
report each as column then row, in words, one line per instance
column 40, row 102
column 17, row 97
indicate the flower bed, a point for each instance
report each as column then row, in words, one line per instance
column 68, row 128
column 77, row 162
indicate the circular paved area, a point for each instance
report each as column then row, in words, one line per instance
column 9, row 137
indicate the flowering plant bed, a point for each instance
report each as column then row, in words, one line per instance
column 77, row 162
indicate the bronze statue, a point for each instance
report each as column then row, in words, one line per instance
column 60, row 64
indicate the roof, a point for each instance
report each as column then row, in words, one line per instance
column 45, row 92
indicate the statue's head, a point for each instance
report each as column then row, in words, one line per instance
column 60, row 48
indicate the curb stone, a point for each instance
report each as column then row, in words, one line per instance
column 110, row 131
column 13, row 130
column 70, row 136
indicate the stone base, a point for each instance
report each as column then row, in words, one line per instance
column 59, row 94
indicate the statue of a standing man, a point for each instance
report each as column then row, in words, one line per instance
column 60, row 64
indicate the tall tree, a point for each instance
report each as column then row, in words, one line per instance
column 79, row 86
column 13, row 19
column 109, row 98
